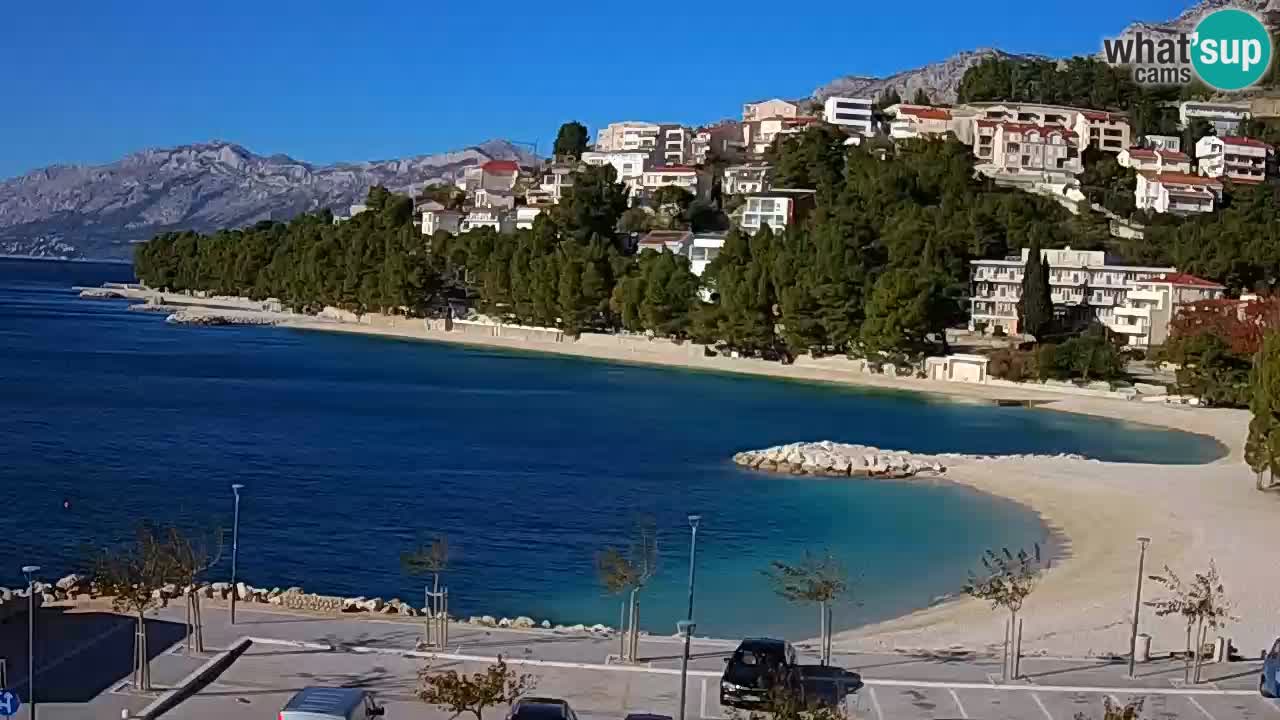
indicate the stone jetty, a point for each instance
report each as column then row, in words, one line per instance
column 102, row 294
column 190, row 317
column 835, row 459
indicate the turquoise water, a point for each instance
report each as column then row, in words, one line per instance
column 350, row 447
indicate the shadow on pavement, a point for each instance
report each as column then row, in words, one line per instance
column 79, row 655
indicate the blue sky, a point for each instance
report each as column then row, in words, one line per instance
column 326, row 81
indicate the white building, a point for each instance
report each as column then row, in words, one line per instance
column 744, row 179
column 1240, row 159
column 628, row 135
column 498, row 219
column 1079, row 280
column 672, row 175
column 850, row 113
column 1014, row 148
column 675, row 145
column 499, row 175
column 765, row 109
column 1152, row 304
column 1225, row 117
column 1101, row 130
column 436, row 217
column 628, row 164
column 675, row 241
column 722, row 140
column 1162, row 142
column 776, row 208
column 758, row 135
column 1178, row 193
column 525, row 215
column 555, row 179
column 702, row 249
column 1154, row 160
column 918, row 121
column 504, row 199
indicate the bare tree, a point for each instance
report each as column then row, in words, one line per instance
column 819, row 579
column 458, row 693
column 429, row 559
column 1202, row 603
column 132, row 573
column 191, row 560
column 632, row 570
column 1006, row 582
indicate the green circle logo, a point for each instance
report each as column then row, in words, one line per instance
column 1231, row 49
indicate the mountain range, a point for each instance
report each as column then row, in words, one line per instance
column 100, row 211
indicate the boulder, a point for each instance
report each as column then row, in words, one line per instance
column 47, row 597
column 577, row 628
column 488, row 620
column 241, row 590
column 522, row 622
column 598, row 628
column 295, row 590
column 374, row 605
column 504, row 623
column 390, row 610
column 169, row 591
column 5, row 594
column 545, row 625
column 70, row 582
column 409, row 610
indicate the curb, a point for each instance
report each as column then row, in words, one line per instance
column 202, row 676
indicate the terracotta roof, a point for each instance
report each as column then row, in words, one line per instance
column 1042, row 129
column 1098, row 116
column 1244, row 141
column 1152, row 154
column 1185, row 279
column 1245, row 180
column 495, row 166
column 1178, row 178
column 925, row 113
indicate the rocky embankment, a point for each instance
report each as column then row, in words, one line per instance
column 834, row 459
column 204, row 317
column 149, row 307
column 102, row 294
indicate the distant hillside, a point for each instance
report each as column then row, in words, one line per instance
column 99, row 211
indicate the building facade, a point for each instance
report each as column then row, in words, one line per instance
column 775, row 208
column 918, row 121
column 1223, row 117
column 1023, row 148
column 1151, row 305
column 629, row 135
column 722, row 140
column 765, row 109
column 629, row 165
column 555, row 179
column 1178, row 193
column 497, row 219
column 853, row 114
column 675, row 145
column 439, row 218
column 745, row 179
column 1240, row 159
column 1154, row 160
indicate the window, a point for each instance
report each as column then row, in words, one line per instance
column 766, row 205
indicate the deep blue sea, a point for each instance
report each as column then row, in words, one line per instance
column 351, row 447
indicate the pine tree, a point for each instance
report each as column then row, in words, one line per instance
column 1035, row 306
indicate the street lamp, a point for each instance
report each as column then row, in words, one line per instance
column 1137, row 605
column 686, row 629
column 686, row 626
column 235, row 549
column 30, row 571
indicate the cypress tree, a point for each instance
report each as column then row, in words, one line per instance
column 1035, row 307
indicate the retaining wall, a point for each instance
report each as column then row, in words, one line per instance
column 309, row 601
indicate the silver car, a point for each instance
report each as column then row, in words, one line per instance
column 324, row 703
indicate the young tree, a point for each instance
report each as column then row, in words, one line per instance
column 131, row 574
column 191, row 560
column 631, row 570
column 472, row 694
column 1006, row 582
column 1202, row 603
column 428, row 559
column 571, row 141
column 1035, row 307
column 819, row 579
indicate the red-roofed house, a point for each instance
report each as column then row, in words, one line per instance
column 1149, row 307
column 1093, row 128
column 1154, row 160
column 918, row 121
column 758, row 135
column 499, row 175
column 1027, row 149
column 1179, row 193
column 1240, row 159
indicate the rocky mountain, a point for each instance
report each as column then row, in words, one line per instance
column 1187, row 21
column 100, row 211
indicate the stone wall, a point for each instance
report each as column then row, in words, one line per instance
column 309, row 601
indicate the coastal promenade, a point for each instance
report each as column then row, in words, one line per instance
column 293, row 650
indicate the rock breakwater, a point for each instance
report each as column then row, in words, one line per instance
column 835, row 459
column 189, row 317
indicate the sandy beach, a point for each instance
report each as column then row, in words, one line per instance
column 1084, row 604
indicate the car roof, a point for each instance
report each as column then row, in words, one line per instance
column 326, row 700
column 541, row 708
column 544, row 701
column 763, row 644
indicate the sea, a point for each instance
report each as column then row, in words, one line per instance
column 353, row 449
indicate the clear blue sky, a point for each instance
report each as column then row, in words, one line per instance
column 326, row 81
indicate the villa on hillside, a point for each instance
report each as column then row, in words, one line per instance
column 1176, row 192
column 1154, row 160
column 777, row 208
column 1239, row 159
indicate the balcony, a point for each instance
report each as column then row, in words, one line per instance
column 1133, row 311
column 1147, row 295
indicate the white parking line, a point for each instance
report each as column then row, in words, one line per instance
column 17, row 680
column 875, row 703
column 1273, row 704
column 956, row 697
column 1043, row 709
column 1201, row 708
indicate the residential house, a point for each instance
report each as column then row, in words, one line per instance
column 437, row 217
column 1109, row 132
column 850, row 113
column 352, row 211
column 777, row 208
column 1162, row 142
column 539, row 198
column 470, row 179
column 722, row 140
column 498, row 219
column 683, row 176
column 1154, row 160
column 758, row 135
column 1240, row 159
column 702, row 248
column 629, row 135
column 628, row 164
column 1016, row 148
column 1175, row 192
column 555, row 178
column 504, row 199
column 918, row 121
column 765, row 109
column 1081, row 281
column 675, row 146
column 499, row 175
column 1092, row 128
column 1152, row 304
column 1224, row 117
column 745, row 179
column 659, row 240
column 525, row 215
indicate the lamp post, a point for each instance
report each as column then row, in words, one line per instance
column 235, row 549
column 1137, row 605
column 686, row 629
column 30, row 571
column 693, row 550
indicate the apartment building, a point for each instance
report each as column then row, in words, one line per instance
column 436, row 217
column 777, row 208
column 702, row 249
column 629, row 135
column 1177, row 193
column 1081, row 281
column 850, row 113
column 503, row 199
column 918, row 121
column 1017, row 148
column 745, row 179
column 675, row 145
column 722, row 140
column 1239, row 159
column 525, row 215
column 758, row 135
column 1152, row 304
column 682, row 176
column 628, row 164
column 499, row 175
column 1154, row 160
column 1104, row 131
column 497, row 219
column 555, row 179
column 765, row 109
column 1162, row 142
column 1224, row 117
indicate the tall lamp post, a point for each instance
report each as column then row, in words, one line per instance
column 30, row 571
column 686, row 627
column 235, row 549
column 1137, row 605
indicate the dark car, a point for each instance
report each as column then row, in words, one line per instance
column 758, row 666
column 536, row 708
column 827, row 685
column 1269, row 685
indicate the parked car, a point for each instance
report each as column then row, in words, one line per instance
column 647, row 716
column 755, row 668
column 536, row 708
column 1269, row 684
column 325, row 703
column 827, row 685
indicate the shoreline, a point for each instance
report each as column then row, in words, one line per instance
column 1092, row 510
